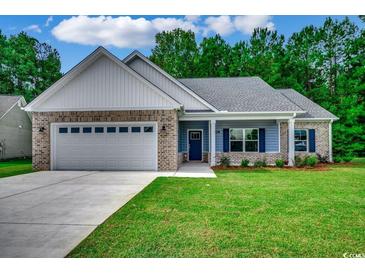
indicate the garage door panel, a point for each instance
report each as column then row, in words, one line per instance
column 104, row 151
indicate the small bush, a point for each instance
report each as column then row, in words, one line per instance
column 225, row 161
column 337, row 159
column 322, row 159
column 347, row 158
column 299, row 161
column 245, row 162
column 311, row 161
column 260, row 163
column 279, row 163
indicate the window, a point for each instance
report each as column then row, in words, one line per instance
column 251, row 140
column 75, row 130
column 301, row 139
column 62, row 130
column 99, row 129
column 148, row 129
column 194, row 135
column 111, row 129
column 136, row 129
column 244, row 140
column 123, row 129
column 86, row 130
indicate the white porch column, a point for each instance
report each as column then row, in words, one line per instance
column 291, row 146
column 212, row 143
column 330, row 158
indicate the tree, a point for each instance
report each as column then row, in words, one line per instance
column 214, row 57
column 301, row 61
column 175, row 52
column 266, row 55
column 239, row 60
column 27, row 67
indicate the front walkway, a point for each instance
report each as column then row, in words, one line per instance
column 195, row 169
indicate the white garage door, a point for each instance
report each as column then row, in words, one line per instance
column 99, row 146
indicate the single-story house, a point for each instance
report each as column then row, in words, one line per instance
column 15, row 128
column 112, row 114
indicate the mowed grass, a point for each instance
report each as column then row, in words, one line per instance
column 253, row 213
column 15, row 167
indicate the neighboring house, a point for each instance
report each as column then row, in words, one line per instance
column 109, row 114
column 15, row 128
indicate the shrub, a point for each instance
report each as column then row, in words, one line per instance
column 260, row 163
column 245, row 162
column 347, row 158
column 225, row 161
column 311, row 160
column 299, row 161
column 322, row 159
column 279, row 163
column 337, row 159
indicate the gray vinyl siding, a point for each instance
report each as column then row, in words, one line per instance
column 183, row 129
column 168, row 86
column 106, row 85
column 271, row 132
column 17, row 140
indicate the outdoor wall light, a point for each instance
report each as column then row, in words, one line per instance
column 42, row 129
column 163, row 128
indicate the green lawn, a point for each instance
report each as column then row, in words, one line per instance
column 15, row 167
column 253, row 213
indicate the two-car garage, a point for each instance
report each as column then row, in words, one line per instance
column 104, row 146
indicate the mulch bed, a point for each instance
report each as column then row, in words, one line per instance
column 319, row 167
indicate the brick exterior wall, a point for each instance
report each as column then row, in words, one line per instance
column 167, row 140
column 322, row 141
column 322, row 145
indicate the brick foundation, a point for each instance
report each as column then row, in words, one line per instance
column 167, row 140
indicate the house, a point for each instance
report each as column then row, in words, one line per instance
column 112, row 114
column 15, row 128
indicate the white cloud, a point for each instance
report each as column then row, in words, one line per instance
column 192, row 18
column 48, row 21
column 122, row 31
column 246, row 24
column 34, row 28
column 218, row 24
column 126, row 32
column 170, row 23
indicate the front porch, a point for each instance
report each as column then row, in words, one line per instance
column 255, row 140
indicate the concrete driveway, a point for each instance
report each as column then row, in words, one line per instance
column 46, row 214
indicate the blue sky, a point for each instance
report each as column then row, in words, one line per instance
column 75, row 37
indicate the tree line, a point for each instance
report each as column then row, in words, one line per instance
column 325, row 63
column 27, row 66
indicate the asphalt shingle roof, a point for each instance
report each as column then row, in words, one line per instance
column 312, row 109
column 240, row 94
column 6, row 102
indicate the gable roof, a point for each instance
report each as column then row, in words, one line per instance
column 241, row 94
column 7, row 102
column 313, row 110
column 82, row 66
column 136, row 54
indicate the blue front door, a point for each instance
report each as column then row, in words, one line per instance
column 195, row 145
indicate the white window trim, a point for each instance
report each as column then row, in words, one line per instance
column 307, row 140
column 244, row 140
